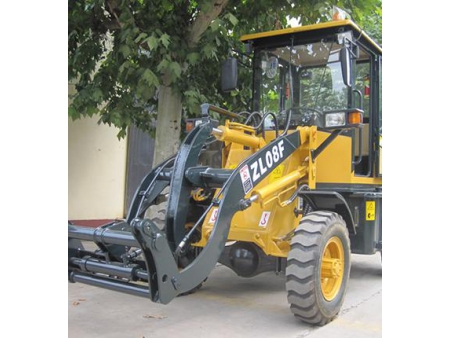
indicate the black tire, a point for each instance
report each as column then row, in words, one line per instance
column 189, row 256
column 157, row 214
column 315, row 300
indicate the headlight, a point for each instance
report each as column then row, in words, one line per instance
column 346, row 118
column 335, row 120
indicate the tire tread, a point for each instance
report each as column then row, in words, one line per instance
column 301, row 266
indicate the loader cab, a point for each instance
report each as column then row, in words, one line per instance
column 312, row 70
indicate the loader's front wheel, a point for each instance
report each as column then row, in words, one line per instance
column 318, row 267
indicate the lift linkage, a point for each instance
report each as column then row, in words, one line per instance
column 114, row 265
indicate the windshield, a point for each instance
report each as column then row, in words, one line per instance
column 306, row 78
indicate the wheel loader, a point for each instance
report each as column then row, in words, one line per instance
column 295, row 189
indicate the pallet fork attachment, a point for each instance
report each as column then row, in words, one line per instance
column 114, row 265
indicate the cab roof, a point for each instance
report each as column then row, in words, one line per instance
column 325, row 28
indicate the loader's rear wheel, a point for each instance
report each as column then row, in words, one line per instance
column 318, row 267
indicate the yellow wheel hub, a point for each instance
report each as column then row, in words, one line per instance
column 332, row 269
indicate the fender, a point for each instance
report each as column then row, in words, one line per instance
column 331, row 201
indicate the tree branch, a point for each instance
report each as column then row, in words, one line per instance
column 112, row 6
column 203, row 20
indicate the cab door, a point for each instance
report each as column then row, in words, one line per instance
column 367, row 96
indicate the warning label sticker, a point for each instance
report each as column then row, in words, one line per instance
column 370, row 210
column 213, row 217
column 276, row 173
column 264, row 219
column 247, row 183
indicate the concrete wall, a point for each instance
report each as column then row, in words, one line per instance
column 97, row 171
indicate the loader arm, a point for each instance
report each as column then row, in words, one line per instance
column 162, row 273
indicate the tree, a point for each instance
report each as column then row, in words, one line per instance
column 144, row 61
column 371, row 23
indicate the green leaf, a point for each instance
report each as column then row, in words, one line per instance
column 73, row 113
column 150, row 78
column 215, row 24
column 125, row 50
column 190, row 93
column 167, row 5
column 163, row 65
column 124, row 66
column 145, row 92
column 124, row 34
column 91, row 110
column 152, row 42
column 193, row 58
column 126, row 17
column 97, row 95
column 148, row 93
column 234, row 21
column 175, row 68
column 141, row 36
column 210, row 51
column 165, row 40
column 122, row 133
column 138, row 72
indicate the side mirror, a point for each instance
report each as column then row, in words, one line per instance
column 346, row 66
column 248, row 48
column 229, row 75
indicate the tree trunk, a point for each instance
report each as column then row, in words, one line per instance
column 167, row 138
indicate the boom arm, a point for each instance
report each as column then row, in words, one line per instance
column 165, row 279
